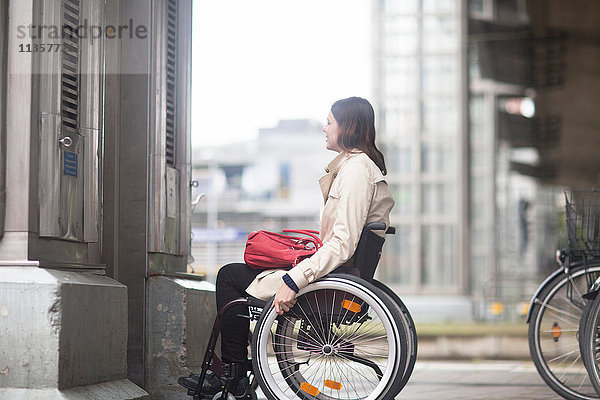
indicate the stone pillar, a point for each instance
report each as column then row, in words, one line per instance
column 180, row 318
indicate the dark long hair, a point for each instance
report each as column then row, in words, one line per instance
column 356, row 120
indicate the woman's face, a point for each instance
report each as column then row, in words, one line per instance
column 331, row 130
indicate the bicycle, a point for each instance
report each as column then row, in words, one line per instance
column 347, row 337
column 556, row 308
column 586, row 235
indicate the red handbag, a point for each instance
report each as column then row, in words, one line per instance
column 270, row 250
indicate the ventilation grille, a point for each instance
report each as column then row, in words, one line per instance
column 171, row 79
column 70, row 67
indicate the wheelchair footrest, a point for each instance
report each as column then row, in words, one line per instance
column 211, row 385
column 189, row 382
column 234, row 379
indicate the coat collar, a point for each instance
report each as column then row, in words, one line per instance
column 335, row 164
column 332, row 170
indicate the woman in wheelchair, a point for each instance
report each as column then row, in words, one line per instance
column 309, row 322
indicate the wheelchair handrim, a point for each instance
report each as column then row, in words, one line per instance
column 391, row 365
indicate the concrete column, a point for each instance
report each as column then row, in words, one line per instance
column 13, row 245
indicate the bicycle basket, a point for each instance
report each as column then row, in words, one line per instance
column 583, row 221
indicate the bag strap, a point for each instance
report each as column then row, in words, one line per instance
column 286, row 239
column 307, row 232
column 304, row 230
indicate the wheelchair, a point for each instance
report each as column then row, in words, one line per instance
column 348, row 337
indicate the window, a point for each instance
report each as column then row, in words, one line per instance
column 440, row 6
column 441, row 115
column 438, row 157
column 440, row 34
column 437, row 255
column 447, row 199
column 447, row 246
column 403, row 196
column 400, row 35
column 446, row 160
column 405, row 114
column 400, row 73
column 401, row 6
column 427, row 198
column 425, row 157
column 398, row 159
column 396, row 265
column 438, row 199
column 441, row 74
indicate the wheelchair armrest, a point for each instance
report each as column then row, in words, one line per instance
column 379, row 226
column 374, row 226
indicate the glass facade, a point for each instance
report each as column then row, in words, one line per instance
column 420, row 110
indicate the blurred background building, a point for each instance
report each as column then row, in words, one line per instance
column 485, row 114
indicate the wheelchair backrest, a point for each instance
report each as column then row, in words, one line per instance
column 368, row 250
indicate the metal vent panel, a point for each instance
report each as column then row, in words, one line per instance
column 70, row 67
column 171, row 78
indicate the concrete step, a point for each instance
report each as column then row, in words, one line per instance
column 473, row 341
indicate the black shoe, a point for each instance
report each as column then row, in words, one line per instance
column 238, row 384
column 212, row 384
column 241, row 387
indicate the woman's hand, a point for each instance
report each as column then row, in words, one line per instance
column 285, row 298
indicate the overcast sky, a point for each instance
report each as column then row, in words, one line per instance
column 256, row 62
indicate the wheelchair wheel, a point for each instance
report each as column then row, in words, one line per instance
column 344, row 339
column 411, row 336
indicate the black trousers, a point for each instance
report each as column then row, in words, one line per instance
column 232, row 281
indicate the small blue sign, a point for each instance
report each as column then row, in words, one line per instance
column 70, row 164
column 203, row 235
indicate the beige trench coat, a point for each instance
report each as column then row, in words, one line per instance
column 355, row 193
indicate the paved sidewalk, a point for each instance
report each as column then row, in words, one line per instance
column 468, row 380
column 485, row 380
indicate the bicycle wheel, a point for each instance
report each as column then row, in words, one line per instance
column 590, row 341
column 344, row 339
column 410, row 330
column 553, row 333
